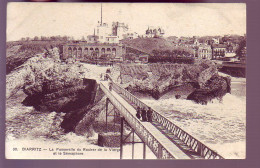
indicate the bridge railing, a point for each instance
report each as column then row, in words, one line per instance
column 155, row 145
column 203, row 150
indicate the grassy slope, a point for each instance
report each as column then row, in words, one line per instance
column 150, row 44
column 19, row 52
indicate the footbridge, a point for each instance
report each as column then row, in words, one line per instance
column 164, row 138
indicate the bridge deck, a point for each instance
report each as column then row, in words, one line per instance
column 169, row 145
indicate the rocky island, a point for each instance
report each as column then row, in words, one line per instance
column 200, row 80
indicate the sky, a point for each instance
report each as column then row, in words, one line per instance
column 80, row 19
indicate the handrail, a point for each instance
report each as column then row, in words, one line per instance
column 157, row 148
column 203, row 150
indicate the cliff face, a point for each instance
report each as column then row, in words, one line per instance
column 157, row 79
column 51, row 85
column 34, row 70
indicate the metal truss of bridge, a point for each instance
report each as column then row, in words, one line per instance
column 165, row 139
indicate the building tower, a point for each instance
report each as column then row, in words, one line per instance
column 101, row 13
column 102, row 29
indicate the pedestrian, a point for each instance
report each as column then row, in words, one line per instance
column 101, row 76
column 156, row 93
column 108, row 70
column 138, row 113
column 150, row 114
column 106, row 77
column 110, row 86
column 143, row 114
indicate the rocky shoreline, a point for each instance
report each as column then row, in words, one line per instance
column 55, row 86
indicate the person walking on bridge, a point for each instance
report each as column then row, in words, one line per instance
column 101, row 76
column 138, row 113
column 144, row 115
column 150, row 114
column 110, row 86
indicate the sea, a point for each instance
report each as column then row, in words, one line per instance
column 221, row 124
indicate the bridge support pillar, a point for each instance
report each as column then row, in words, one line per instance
column 129, row 139
column 144, row 150
column 121, row 137
column 107, row 101
column 112, row 113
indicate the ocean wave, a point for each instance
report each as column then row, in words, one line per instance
column 222, row 122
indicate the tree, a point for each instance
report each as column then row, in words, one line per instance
column 241, row 49
column 53, row 38
column 155, row 52
column 130, row 57
column 167, row 53
column 105, row 57
column 65, row 38
column 36, row 38
column 43, row 38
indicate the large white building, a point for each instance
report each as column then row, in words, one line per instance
column 114, row 33
column 105, row 34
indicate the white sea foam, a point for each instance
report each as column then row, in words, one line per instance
column 220, row 124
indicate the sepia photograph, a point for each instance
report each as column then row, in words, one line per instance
column 125, row 81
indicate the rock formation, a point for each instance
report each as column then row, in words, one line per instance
column 158, row 79
column 51, row 85
column 215, row 87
